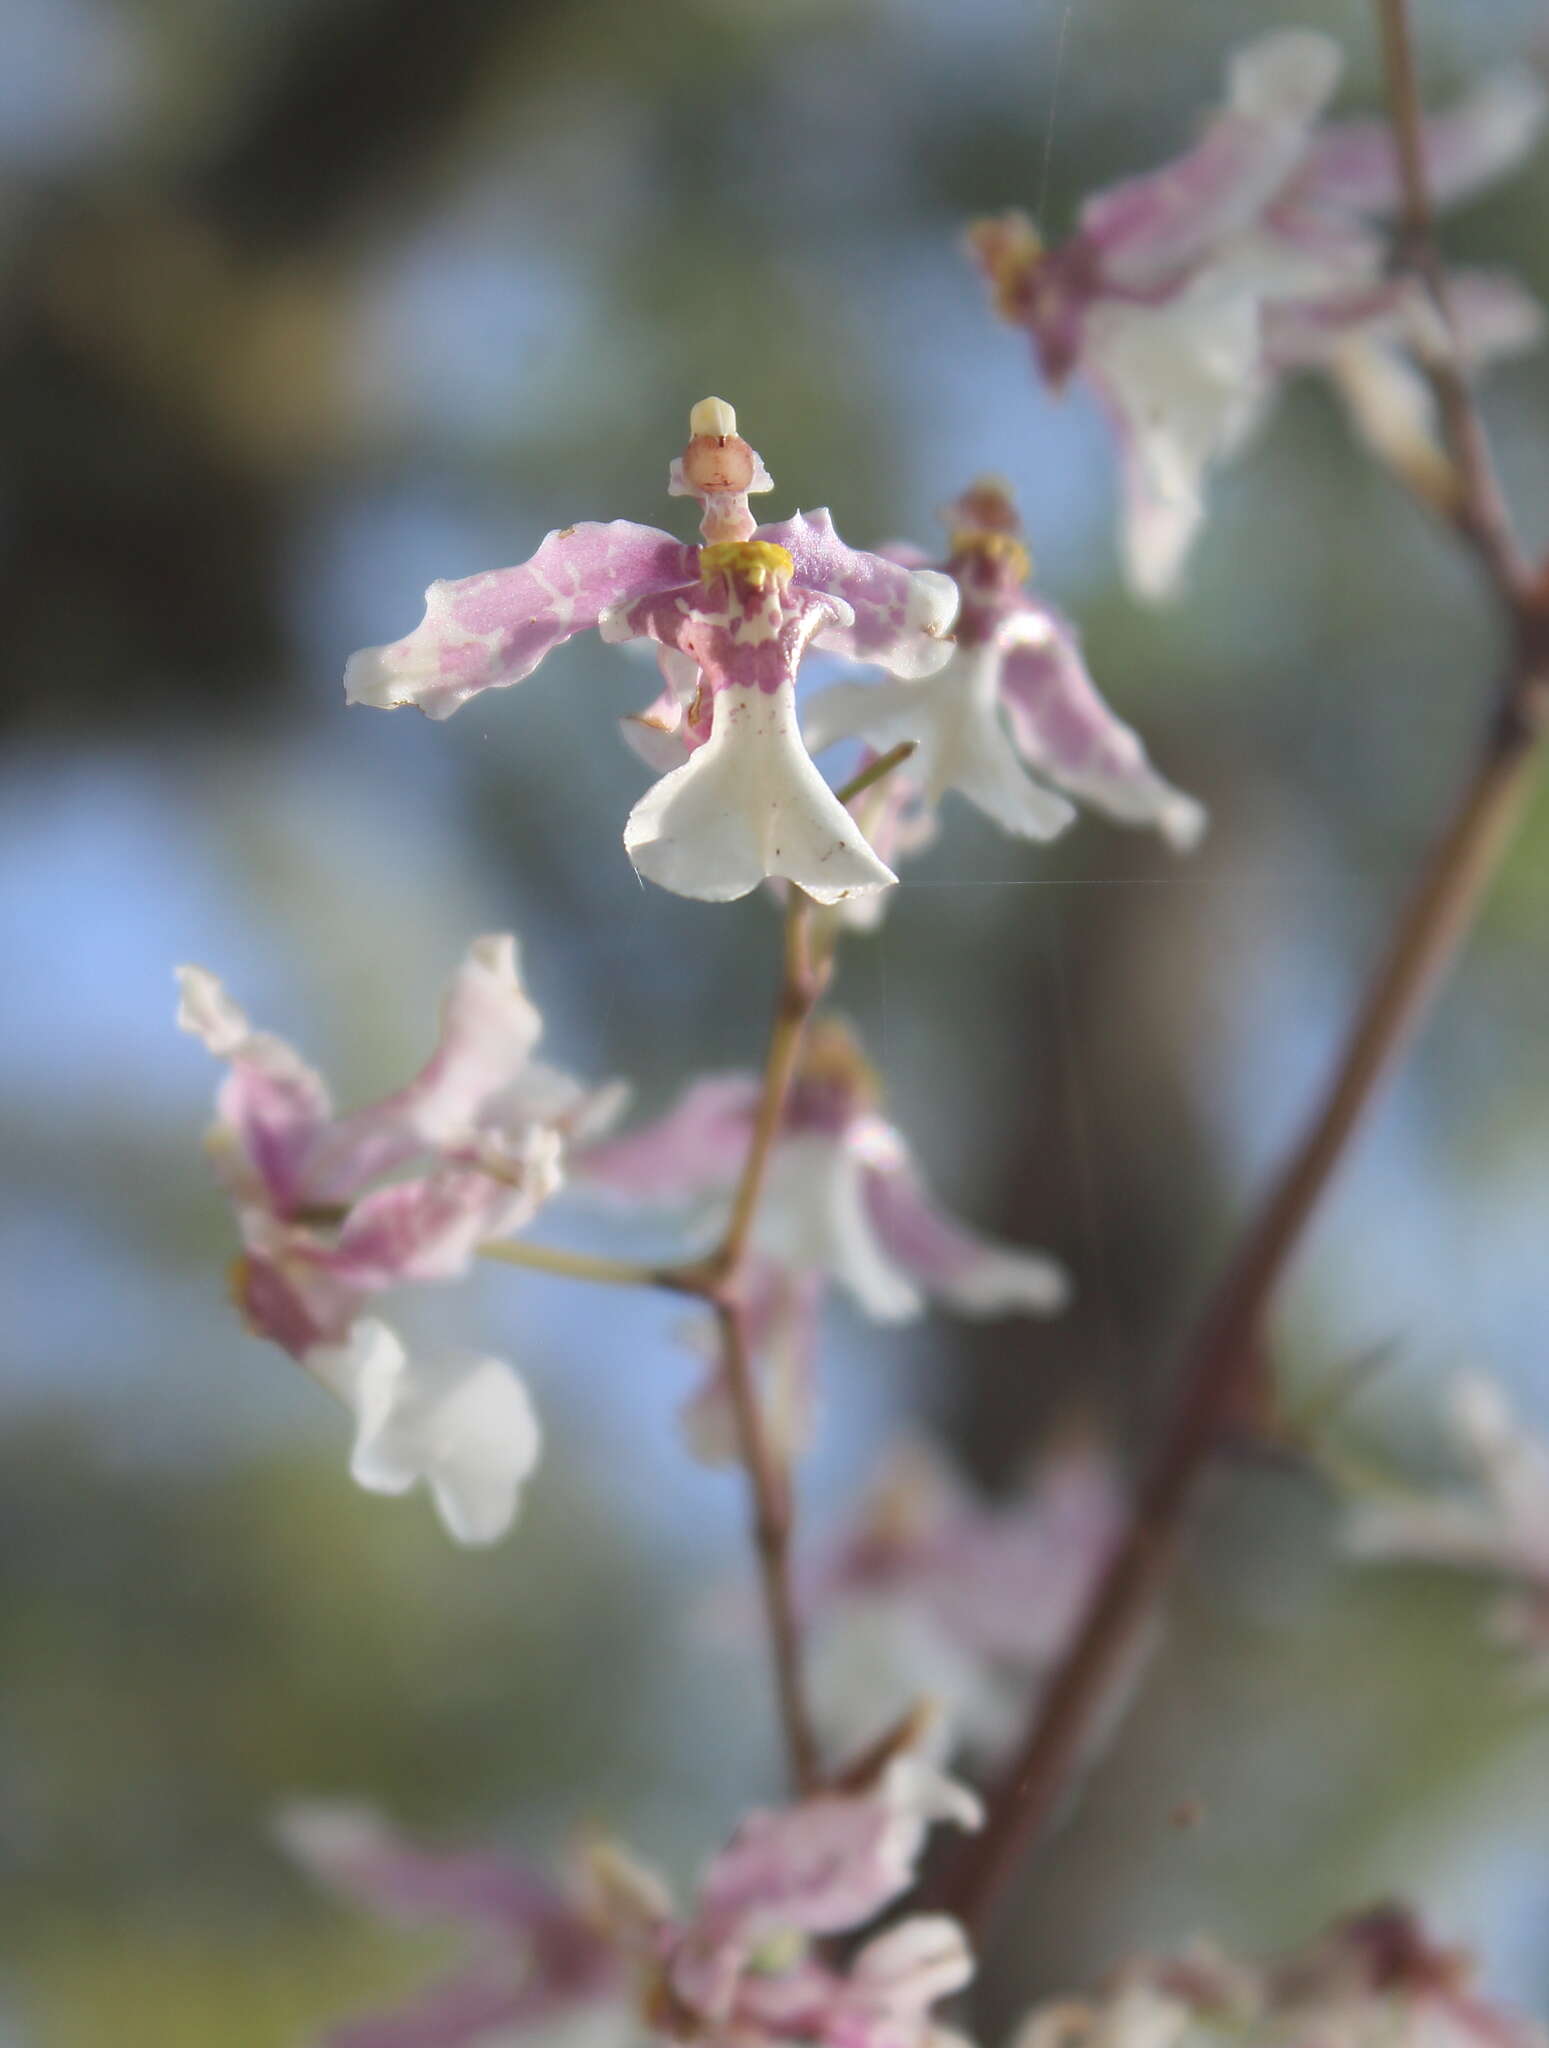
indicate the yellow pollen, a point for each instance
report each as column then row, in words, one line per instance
column 751, row 561
column 238, row 1277
column 1010, row 249
column 998, row 548
column 832, row 1055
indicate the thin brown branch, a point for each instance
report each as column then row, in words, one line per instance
column 1479, row 507
column 801, row 984
column 769, row 1485
column 1226, row 1348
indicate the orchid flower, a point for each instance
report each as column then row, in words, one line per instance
column 933, row 1593
column 732, row 620
column 843, row 1203
column 1501, row 1532
column 1016, row 691
column 1376, row 1977
column 537, row 1966
column 1186, row 295
column 609, row 1959
column 329, row 1219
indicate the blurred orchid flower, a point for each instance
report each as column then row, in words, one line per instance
column 326, row 1226
column 732, row 620
column 1015, row 695
column 1186, row 295
column 934, row 1593
column 1377, row 1976
column 537, row 1966
column 1501, row 1532
column 843, row 1203
column 610, row 1959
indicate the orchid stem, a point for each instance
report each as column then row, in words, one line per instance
column 874, row 771
column 769, row 1485
column 544, row 1258
column 802, row 983
column 1479, row 508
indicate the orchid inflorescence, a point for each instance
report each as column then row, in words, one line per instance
column 1186, row 297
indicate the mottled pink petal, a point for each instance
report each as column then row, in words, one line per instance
column 694, row 1150
column 971, row 1274
column 431, row 1228
column 489, row 1027
column 297, row 1303
column 491, row 630
column 1063, row 728
column 901, row 615
column 1149, row 231
column 1353, row 164
column 834, row 1860
column 479, row 2005
column 357, row 1854
column 1304, row 333
column 271, row 1106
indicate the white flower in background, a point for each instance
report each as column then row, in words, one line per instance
column 1188, row 294
column 1376, row 1980
column 1014, row 711
column 843, row 1203
column 932, row 1593
column 1499, row 1530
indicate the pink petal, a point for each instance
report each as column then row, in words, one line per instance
column 818, row 1867
column 971, row 1274
column 271, row 1106
column 295, row 1305
column 489, row 631
column 694, row 1150
column 482, row 2002
column 1063, row 728
column 1487, row 134
column 901, row 614
column 1148, row 232
column 356, row 1853
column 488, row 1030
column 428, row 1229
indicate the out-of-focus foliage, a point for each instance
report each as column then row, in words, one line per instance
column 308, row 304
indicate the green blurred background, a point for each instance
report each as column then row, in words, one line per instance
column 309, row 302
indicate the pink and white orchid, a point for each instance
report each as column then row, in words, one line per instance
column 1500, row 1532
column 843, row 1202
column 1187, row 294
column 537, row 1968
column 732, row 620
column 935, row 1594
column 330, row 1218
column 608, row 1959
column 1376, row 1977
column 1016, row 695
